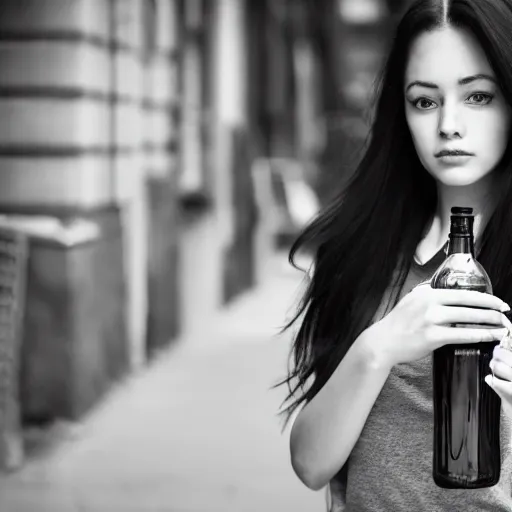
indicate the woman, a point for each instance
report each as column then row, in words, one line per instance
column 361, row 380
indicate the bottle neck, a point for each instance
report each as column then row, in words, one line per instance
column 461, row 245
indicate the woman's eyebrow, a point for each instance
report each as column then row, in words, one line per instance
column 463, row 81
column 480, row 76
column 420, row 83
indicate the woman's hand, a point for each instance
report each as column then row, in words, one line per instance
column 423, row 321
column 501, row 378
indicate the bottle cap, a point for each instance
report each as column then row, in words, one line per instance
column 461, row 221
column 462, row 210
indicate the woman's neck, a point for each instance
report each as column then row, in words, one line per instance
column 481, row 196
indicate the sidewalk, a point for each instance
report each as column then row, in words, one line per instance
column 195, row 432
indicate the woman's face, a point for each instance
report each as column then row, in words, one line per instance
column 455, row 111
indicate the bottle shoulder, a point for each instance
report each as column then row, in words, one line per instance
column 462, row 271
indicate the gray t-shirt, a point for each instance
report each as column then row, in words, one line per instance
column 390, row 467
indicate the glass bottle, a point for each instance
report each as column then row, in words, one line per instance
column 466, row 410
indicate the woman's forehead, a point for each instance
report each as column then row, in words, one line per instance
column 445, row 56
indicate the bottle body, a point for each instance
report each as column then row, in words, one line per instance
column 466, row 410
column 466, row 419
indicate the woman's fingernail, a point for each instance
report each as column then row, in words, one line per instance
column 505, row 307
column 488, row 380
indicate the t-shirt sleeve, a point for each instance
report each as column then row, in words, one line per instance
column 311, row 271
column 336, row 492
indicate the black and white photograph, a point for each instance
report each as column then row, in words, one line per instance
column 255, row 256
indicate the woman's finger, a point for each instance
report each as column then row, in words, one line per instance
column 503, row 355
column 469, row 298
column 463, row 315
column 501, row 370
column 506, row 322
column 502, row 387
column 459, row 335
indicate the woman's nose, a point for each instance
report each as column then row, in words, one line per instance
column 450, row 124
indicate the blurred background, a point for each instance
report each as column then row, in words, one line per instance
column 157, row 159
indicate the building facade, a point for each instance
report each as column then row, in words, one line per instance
column 134, row 149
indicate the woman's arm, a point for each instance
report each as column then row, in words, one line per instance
column 327, row 428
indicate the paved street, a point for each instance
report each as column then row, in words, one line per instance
column 195, row 432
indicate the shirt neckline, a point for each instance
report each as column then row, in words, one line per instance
column 441, row 252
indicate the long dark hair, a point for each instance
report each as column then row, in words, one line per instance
column 365, row 239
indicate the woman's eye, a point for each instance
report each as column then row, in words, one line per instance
column 424, row 104
column 480, row 98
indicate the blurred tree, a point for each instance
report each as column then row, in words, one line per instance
column 350, row 54
column 324, row 30
column 347, row 58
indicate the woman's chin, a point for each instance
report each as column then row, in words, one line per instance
column 457, row 182
column 458, row 176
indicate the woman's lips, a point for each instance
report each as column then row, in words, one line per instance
column 453, row 156
column 451, row 159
